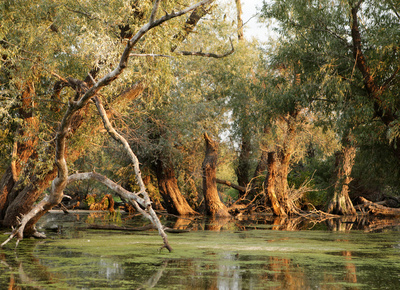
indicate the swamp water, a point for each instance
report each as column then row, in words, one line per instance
column 221, row 254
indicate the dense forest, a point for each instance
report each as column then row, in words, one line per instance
column 166, row 106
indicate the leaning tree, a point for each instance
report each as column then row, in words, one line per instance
column 25, row 53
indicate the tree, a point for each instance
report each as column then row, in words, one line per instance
column 350, row 70
column 214, row 206
column 72, row 118
column 340, row 202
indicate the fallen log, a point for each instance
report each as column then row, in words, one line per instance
column 369, row 207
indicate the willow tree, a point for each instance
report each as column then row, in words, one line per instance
column 351, row 68
column 51, row 46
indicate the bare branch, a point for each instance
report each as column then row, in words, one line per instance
column 149, row 54
column 128, row 48
column 84, row 95
column 230, row 184
column 107, row 182
column 148, row 210
column 208, row 54
column 154, row 11
column 190, row 24
column 389, row 80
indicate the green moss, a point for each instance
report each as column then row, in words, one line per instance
column 200, row 259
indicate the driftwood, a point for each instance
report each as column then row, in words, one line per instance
column 369, row 207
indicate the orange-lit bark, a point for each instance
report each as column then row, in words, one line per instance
column 214, row 205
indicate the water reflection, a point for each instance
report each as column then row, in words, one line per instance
column 261, row 252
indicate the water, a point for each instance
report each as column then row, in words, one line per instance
column 216, row 254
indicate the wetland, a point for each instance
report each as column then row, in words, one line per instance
column 256, row 253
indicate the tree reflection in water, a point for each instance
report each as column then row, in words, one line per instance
column 216, row 254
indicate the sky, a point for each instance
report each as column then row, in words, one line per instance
column 252, row 27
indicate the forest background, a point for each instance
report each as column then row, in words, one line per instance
column 221, row 125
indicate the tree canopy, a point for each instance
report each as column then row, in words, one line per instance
column 308, row 120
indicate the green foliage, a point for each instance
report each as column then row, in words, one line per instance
column 310, row 68
column 315, row 40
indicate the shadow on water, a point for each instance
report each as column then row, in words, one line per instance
column 256, row 252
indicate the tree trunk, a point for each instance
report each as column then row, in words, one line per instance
column 242, row 170
column 21, row 189
column 20, row 185
column 382, row 109
column 374, row 208
column 341, row 203
column 239, row 19
column 214, row 206
column 174, row 202
column 270, row 185
column 284, row 156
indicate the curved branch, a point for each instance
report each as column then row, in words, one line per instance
column 122, row 192
column 383, row 111
column 61, row 181
column 148, row 211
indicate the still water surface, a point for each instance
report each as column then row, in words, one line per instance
column 261, row 253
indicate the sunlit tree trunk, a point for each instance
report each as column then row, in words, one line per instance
column 214, row 205
column 284, row 156
column 277, row 208
column 22, row 183
column 27, row 181
column 341, row 202
column 174, row 202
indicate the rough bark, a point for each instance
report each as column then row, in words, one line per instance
column 284, row 155
column 174, row 202
column 271, row 184
column 214, row 205
column 341, row 203
column 19, row 186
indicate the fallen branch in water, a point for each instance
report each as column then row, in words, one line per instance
column 369, row 207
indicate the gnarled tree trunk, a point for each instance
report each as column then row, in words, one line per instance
column 174, row 202
column 341, row 203
column 20, row 185
column 214, row 205
column 271, row 184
